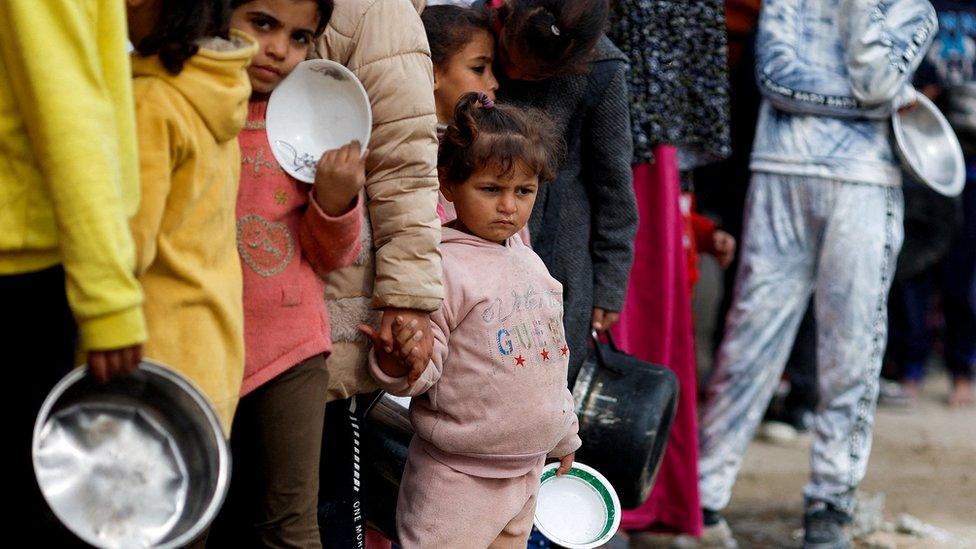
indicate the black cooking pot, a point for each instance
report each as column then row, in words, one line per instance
column 626, row 407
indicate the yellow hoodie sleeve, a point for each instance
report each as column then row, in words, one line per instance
column 65, row 60
column 156, row 152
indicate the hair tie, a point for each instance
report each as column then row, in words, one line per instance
column 555, row 30
column 485, row 101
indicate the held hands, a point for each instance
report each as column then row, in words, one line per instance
column 339, row 176
column 404, row 353
column 405, row 316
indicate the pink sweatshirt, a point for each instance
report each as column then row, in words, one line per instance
column 493, row 400
column 286, row 244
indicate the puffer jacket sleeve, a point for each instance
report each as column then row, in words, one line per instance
column 160, row 148
column 885, row 41
column 391, row 57
column 793, row 83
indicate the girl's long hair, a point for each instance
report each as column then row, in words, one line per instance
column 554, row 36
column 181, row 24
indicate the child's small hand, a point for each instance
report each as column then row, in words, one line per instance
column 105, row 365
column 407, row 337
column 724, row 245
column 565, row 464
column 339, row 176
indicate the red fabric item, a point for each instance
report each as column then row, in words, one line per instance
column 698, row 233
column 704, row 229
column 655, row 325
column 376, row 540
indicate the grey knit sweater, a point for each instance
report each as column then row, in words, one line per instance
column 583, row 224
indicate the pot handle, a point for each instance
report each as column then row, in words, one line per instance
column 601, row 360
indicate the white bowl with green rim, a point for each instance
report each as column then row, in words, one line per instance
column 578, row 510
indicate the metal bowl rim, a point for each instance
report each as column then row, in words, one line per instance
column 181, row 382
column 954, row 187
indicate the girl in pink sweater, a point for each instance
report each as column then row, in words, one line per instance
column 289, row 235
column 492, row 403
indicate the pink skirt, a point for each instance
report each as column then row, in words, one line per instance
column 655, row 325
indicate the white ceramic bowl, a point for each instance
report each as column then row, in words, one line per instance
column 578, row 510
column 929, row 148
column 320, row 106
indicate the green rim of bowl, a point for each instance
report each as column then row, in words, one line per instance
column 597, row 485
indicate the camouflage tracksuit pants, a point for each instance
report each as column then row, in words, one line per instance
column 840, row 241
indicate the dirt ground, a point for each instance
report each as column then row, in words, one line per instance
column 923, row 462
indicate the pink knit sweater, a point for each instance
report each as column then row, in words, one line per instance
column 493, row 399
column 286, row 244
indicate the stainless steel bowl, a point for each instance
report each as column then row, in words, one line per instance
column 929, row 148
column 140, row 461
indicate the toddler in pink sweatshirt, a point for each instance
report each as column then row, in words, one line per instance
column 492, row 403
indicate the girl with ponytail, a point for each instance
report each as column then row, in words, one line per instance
column 491, row 405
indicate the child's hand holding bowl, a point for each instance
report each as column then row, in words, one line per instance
column 339, row 176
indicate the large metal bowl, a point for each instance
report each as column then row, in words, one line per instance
column 929, row 148
column 140, row 461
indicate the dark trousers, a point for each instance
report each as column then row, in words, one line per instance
column 911, row 336
column 276, row 441
column 38, row 336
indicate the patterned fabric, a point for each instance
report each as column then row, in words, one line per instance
column 832, row 72
column 678, row 77
column 805, row 235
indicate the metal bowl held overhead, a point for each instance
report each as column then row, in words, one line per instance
column 140, row 461
column 929, row 148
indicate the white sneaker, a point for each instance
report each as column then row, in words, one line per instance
column 717, row 536
column 777, row 432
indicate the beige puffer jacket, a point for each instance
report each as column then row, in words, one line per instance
column 383, row 42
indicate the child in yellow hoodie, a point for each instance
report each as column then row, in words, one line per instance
column 191, row 95
column 68, row 183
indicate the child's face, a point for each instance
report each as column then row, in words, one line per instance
column 493, row 207
column 284, row 30
column 469, row 70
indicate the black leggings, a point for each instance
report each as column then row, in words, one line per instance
column 38, row 336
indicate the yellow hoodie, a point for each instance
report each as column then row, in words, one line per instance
column 68, row 172
column 185, row 229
